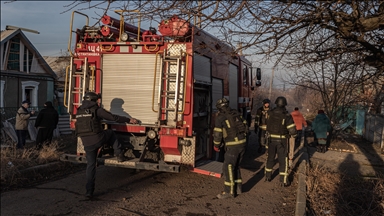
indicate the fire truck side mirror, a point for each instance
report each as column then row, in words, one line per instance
column 258, row 74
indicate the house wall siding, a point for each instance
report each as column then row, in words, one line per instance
column 19, row 76
column 13, row 90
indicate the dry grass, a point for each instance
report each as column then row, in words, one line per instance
column 14, row 161
column 331, row 193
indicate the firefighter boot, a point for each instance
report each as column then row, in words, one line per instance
column 224, row 195
column 89, row 194
column 121, row 157
column 268, row 176
column 284, row 183
column 239, row 189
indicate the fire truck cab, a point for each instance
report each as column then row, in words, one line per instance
column 169, row 81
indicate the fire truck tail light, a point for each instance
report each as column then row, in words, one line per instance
column 180, row 133
column 172, row 131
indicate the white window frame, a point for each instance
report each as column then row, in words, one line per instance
column 35, row 90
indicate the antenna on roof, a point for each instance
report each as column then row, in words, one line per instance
column 8, row 27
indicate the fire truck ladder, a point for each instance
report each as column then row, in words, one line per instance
column 172, row 89
column 78, row 84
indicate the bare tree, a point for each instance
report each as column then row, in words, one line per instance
column 277, row 28
column 334, row 46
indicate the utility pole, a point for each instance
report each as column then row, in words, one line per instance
column 199, row 15
column 271, row 83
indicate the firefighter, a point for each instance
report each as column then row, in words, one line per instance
column 280, row 127
column 232, row 129
column 260, row 126
column 89, row 129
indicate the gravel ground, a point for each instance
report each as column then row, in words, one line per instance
column 128, row 192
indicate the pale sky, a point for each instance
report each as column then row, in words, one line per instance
column 48, row 18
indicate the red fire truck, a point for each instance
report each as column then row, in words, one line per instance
column 169, row 81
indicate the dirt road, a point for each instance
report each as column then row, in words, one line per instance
column 122, row 191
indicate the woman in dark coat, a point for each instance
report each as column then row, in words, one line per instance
column 321, row 126
column 46, row 123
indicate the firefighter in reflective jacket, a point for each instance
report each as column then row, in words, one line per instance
column 93, row 136
column 232, row 129
column 280, row 127
column 261, row 126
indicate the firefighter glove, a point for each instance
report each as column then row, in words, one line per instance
column 133, row 121
column 216, row 148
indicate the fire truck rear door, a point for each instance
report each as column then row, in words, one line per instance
column 209, row 167
column 128, row 86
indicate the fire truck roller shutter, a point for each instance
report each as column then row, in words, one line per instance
column 202, row 69
column 217, row 90
column 233, row 86
column 127, row 85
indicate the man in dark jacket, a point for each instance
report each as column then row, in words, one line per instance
column 230, row 127
column 260, row 126
column 46, row 123
column 93, row 136
column 280, row 127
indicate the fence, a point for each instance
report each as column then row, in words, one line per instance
column 9, row 113
column 374, row 130
column 8, row 119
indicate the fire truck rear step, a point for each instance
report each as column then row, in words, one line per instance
column 132, row 163
column 208, row 167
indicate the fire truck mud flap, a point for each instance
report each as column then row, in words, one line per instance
column 132, row 164
column 208, row 167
